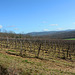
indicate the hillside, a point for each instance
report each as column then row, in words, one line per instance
column 16, row 65
column 42, row 33
column 37, row 56
column 55, row 34
column 48, row 34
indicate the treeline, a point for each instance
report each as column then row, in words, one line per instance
column 57, row 35
column 13, row 35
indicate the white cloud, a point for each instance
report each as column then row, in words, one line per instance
column 44, row 22
column 11, row 26
column 73, row 22
column 1, row 26
column 54, row 25
column 45, row 30
column 60, row 29
column 15, row 28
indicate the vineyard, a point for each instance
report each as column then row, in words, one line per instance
column 39, row 48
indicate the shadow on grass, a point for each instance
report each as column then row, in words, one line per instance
column 25, row 56
column 3, row 71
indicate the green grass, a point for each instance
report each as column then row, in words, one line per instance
column 70, row 39
column 11, row 50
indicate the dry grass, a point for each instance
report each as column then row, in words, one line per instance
column 33, row 66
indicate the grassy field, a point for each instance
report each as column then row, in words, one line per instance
column 34, row 66
column 70, row 39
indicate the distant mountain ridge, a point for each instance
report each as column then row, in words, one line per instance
column 54, row 34
column 65, row 34
column 48, row 32
column 41, row 33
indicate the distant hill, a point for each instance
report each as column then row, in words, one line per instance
column 55, row 34
column 66, row 34
column 42, row 33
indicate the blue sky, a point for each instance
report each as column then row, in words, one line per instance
column 23, row 16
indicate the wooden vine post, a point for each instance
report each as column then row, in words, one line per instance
column 20, row 48
column 39, row 51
